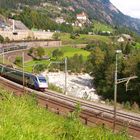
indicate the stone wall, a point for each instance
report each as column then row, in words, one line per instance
column 29, row 44
column 26, row 34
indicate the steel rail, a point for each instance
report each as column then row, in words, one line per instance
column 93, row 106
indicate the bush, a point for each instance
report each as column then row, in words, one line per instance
column 39, row 68
column 127, row 105
column 57, row 53
column 18, row 60
column 72, row 36
column 1, row 39
column 56, row 36
column 31, row 50
column 76, row 64
column 38, row 52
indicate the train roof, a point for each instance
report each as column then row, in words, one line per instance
column 21, row 71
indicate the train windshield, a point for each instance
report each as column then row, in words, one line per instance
column 42, row 79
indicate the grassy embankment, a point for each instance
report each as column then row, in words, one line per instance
column 22, row 119
column 82, row 39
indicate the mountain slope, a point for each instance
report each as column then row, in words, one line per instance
column 105, row 11
column 101, row 10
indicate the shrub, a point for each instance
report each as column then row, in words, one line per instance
column 31, row 50
column 18, row 60
column 72, row 36
column 76, row 63
column 57, row 53
column 39, row 68
column 56, row 36
column 127, row 105
column 40, row 52
column 1, row 39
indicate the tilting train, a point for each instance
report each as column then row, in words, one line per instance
column 37, row 82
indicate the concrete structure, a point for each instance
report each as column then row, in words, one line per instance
column 60, row 20
column 26, row 35
column 121, row 39
column 82, row 16
column 124, row 37
column 19, row 25
column 29, row 44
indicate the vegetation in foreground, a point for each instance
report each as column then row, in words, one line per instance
column 22, row 119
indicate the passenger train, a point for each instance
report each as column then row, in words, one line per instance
column 37, row 82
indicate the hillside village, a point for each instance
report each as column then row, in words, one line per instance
column 16, row 30
column 57, row 18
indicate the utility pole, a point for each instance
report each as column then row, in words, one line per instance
column 3, row 56
column 65, row 75
column 115, row 94
column 23, row 71
column 13, row 25
column 116, row 82
column 65, row 71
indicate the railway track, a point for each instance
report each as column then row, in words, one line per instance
column 91, row 113
column 91, row 105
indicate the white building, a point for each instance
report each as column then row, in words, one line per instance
column 82, row 16
column 60, row 20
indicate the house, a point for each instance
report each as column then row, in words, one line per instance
column 125, row 37
column 82, row 16
column 17, row 25
column 121, row 39
column 60, row 20
column 70, row 8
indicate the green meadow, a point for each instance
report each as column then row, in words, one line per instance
column 67, row 50
column 98, row 26
column 83, row 39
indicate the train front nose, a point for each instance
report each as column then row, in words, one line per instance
column 43, row 85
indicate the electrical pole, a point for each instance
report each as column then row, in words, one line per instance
column 23, row 71
column 118, row 81
column 65, row 75
column 65, row 71
column 115, row 95
column 3, row 56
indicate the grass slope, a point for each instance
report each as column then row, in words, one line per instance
column 22, row 119
column 83, row 39
column 98, row 26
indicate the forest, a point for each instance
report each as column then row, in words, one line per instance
column 101, row 65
